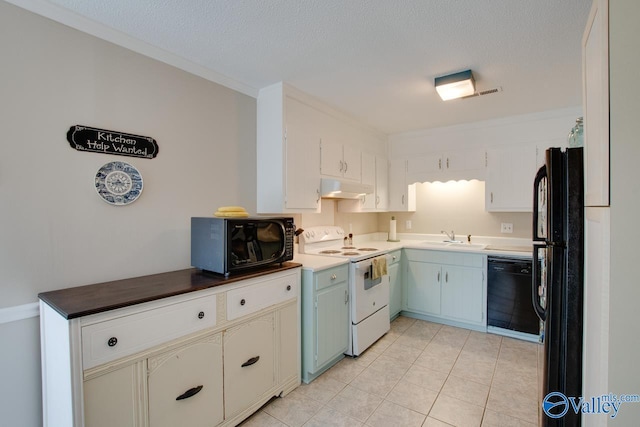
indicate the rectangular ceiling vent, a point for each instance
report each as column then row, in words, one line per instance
column 485, row 92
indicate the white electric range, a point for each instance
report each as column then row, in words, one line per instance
column 369, row 297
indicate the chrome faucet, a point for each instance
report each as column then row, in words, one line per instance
column 452, row 236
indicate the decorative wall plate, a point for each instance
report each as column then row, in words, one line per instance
column 118, row 183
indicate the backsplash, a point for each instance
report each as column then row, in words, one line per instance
column 457, row 206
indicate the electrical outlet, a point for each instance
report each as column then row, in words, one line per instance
column 407, row 224
column 506, row 227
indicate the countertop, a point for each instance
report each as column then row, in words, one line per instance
column 90, row 299
column 499, row 247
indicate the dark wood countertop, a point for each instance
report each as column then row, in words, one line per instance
column 91, row 299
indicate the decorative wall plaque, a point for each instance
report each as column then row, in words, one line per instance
column 118, row 183
column 84, row 138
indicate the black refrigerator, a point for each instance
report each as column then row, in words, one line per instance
column 558, row 281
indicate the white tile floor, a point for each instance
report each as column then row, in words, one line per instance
column 419, row 374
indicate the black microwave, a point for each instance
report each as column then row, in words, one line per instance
column 228, row 245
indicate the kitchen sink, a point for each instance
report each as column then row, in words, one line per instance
column 436, row 244
column 452, row 245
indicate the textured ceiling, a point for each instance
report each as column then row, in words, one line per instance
column 374, row 59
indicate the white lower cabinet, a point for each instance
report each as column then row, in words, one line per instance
column 212, row 376
column 116, row 397
column 446, row 286
column 185, row 385
column 248, row 363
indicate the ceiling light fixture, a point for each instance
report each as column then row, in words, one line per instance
column 456, row 85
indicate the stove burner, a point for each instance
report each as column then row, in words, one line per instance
column 348, row 247
column 351, row 253
column 329, row 251
column 367, row 249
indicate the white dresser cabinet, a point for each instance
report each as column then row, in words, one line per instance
column 116, row 397
column 249, row 362
column 185, row 385
column 209, row 357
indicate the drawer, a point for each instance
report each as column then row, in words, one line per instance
column 330, row 277
column 394, row 257
column 112, row 339
column 253, row 298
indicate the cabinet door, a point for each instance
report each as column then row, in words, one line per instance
column 289, row 347
column 467, row 164
column 332, row 323
column 395, row 286
column 331, row 162
column 402, row 195
column 369, row 177
column 185, row 385
column 424, row 168
column 510, row 174
column 302, row 140
column 382, row 184
column 462, row 293
column 423, row 287
column 248, row 363
column 595, row 69
column 115, row 399
column 352, row 163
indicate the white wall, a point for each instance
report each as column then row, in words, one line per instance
column 55, row 231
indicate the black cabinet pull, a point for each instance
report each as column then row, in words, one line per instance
column 250, row 362
column 288, row 287
column 201, row 315
column 191, row 392
column 242, row 301
column 112, row 342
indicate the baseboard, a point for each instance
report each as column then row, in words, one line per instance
column 19, row 312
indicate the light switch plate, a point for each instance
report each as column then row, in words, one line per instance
column 506, row 227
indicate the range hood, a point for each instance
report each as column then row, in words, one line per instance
column 337, row 189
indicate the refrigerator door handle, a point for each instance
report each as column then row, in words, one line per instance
column 535, row 297
column 540, row 175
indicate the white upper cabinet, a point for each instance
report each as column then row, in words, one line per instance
column 288, row 152
column 382, row 184
column 402, row 195
column 595, row 69
column 452, row 165
column 340, row 161
column 375, row 173
column 511, row 170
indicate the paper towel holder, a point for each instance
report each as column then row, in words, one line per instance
column 392, row 230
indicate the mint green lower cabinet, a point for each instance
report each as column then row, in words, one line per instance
column 325, row 319
column 395, row 284
column 446, row 287
column 423, row 287
column 461, row 294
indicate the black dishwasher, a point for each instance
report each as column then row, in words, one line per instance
column 509, row 307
